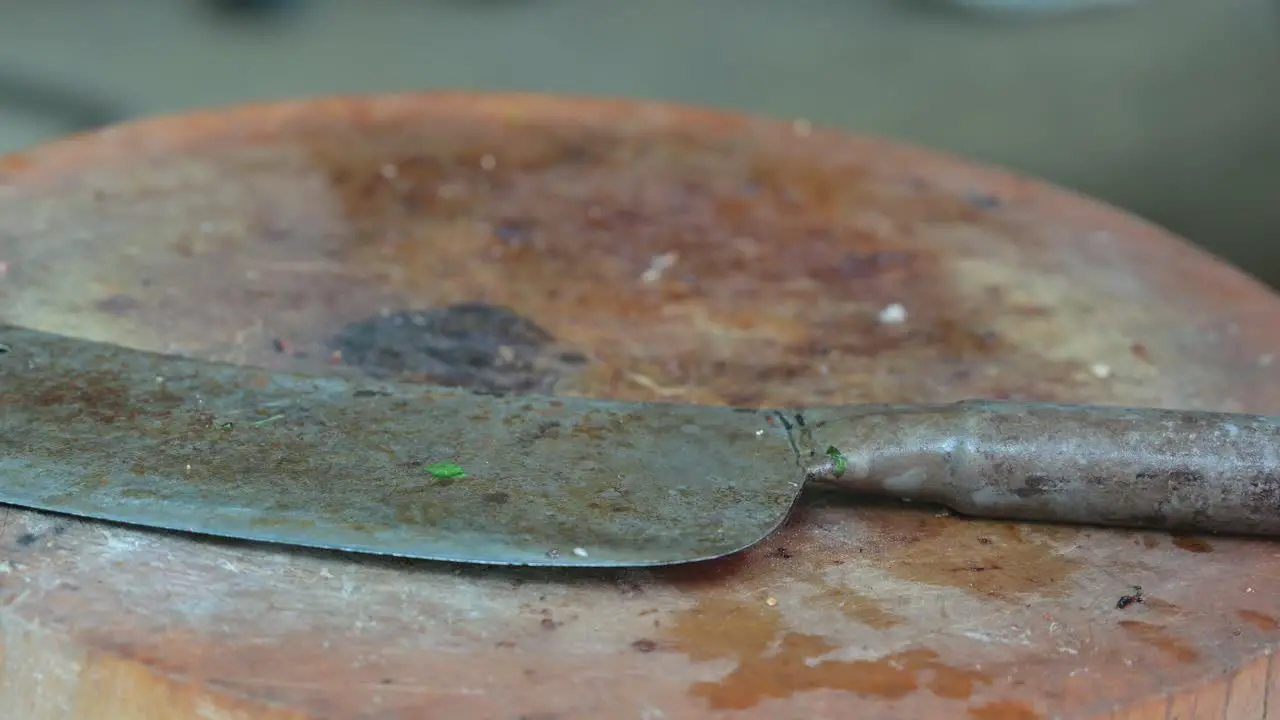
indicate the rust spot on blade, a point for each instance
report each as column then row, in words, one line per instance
column 99, row 395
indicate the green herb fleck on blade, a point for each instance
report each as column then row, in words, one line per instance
column 839, row 463
column 446, row 471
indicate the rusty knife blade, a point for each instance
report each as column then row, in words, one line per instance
column 116, row 434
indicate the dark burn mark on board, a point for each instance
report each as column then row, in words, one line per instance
column 27, row 539
column 486, row 348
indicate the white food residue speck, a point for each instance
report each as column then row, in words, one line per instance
column 488, row 162
column 390, row 171
column 580, row 552
column 1266, row 360
column 759, row 432
column 657, row 266
column 894, row 314
column 1102, row 371
column 802, row 127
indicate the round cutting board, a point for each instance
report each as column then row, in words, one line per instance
column 646, row 252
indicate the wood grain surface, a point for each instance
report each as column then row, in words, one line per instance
column 686, row 255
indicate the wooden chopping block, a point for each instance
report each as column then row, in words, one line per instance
column 645, row 252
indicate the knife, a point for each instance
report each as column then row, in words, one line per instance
column 120, row 435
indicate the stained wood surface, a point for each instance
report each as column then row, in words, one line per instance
column 687, row 256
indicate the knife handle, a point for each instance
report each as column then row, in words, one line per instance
column 1098, row 465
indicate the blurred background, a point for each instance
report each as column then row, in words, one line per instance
column 1168, row 108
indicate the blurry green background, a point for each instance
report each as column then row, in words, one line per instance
column 1168, row 108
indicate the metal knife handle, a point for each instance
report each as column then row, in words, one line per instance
column 1098, row 465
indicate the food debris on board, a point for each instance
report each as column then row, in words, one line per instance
column 894, row 314
column 446, row 471
column 658, row 266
